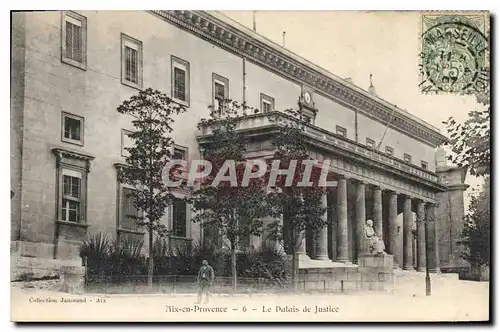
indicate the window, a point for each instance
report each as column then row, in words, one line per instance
column 74, row 39
column 211, row 236
column 306, row 118
column 72, row 128
column 180, row 80
column 72, row 170
column 424, row 164
column 131, row 61
column 220, row 88
column 179, row 154
column 127, row 142
column 370, row 143
column 407, row 158
column 341, row 131
column 129, row 212
column 389, row 150
column 179, row 217
column 71, row 204
column 266, row 103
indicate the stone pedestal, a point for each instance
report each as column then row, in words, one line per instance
column 72, row 279
column 376, row 261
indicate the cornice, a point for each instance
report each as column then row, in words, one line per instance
column 61, row 152
column 252, row 47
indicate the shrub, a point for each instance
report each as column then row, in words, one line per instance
column 267, row 262
column 106, row 257
column 95, row 250
column 126, row 258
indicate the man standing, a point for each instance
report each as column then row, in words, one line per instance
column 205, row 278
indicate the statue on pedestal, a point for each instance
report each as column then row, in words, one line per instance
column 372, row 243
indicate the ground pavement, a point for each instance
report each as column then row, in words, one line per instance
column 451, row 300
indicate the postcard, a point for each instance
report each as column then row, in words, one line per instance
column 250, row 166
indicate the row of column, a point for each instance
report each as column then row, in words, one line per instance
column 425, row 213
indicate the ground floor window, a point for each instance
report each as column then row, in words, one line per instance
column 129, row 212
column 72, row 170
column 179, row 217
column 71, row 196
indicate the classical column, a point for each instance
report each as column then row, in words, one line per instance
column 360, row 216
column 393, row 230
column 433, row 244
column 421, row 236
column 407, row 234
column 342, row 240
column 377, row 211
column 414, row 249
column 322, row 234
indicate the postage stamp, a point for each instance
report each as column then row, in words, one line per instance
column 454, row 55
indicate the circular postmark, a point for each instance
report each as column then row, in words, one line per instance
column 454, row 55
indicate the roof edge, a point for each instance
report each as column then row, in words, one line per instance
column 235, row 37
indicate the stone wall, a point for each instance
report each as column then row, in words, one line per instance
column 374, row 273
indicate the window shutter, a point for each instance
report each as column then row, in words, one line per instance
column 133, row 65
column 69, row 40
column 77, row 42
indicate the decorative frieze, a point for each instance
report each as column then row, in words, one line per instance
column 227, row 36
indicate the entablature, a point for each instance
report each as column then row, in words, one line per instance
column 348, row 154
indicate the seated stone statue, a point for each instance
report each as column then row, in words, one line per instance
column 372, row 243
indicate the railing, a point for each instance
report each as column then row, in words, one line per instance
column 178, row 284
column 263, row 120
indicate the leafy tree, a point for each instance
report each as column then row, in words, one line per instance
column 470, row 141
column 300, row 207
column 151, row 113
column 476, row 233
column 235, row 210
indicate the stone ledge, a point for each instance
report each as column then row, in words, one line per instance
column 38, row 268
column 71, row 223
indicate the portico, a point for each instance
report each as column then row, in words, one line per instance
column 370, row 185
column 347, row 215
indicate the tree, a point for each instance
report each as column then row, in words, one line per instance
column 151, row 113
column 300, row 207
column 470, row 141
column 232, row 208
column 476, row 233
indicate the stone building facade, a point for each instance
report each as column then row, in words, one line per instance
column 71, row 69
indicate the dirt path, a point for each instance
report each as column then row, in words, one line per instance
column 452, row 300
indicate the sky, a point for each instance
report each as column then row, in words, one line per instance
column 357, row 44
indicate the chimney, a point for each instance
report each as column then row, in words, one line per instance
column 441, row 163
column 284, row 33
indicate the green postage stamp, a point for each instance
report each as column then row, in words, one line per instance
column 454, row 55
